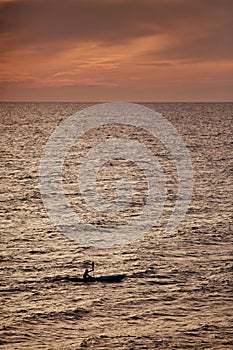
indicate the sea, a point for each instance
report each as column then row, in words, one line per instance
column 177, row 293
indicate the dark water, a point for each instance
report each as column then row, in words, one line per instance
column 178, row 294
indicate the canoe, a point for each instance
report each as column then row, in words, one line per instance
column 107, row 279
column 110, row 278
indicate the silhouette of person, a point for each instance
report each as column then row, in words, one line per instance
column 86, row 274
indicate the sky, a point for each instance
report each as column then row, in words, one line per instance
column 116, row 50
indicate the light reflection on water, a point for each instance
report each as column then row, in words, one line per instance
column 178, row 285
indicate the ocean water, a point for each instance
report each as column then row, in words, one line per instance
column 178, row 290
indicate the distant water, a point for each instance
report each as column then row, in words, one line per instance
column 179, row 286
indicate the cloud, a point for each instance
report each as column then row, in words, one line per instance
column 192, row 28
column 120, row 48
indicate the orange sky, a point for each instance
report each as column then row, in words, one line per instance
column 116, row 50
